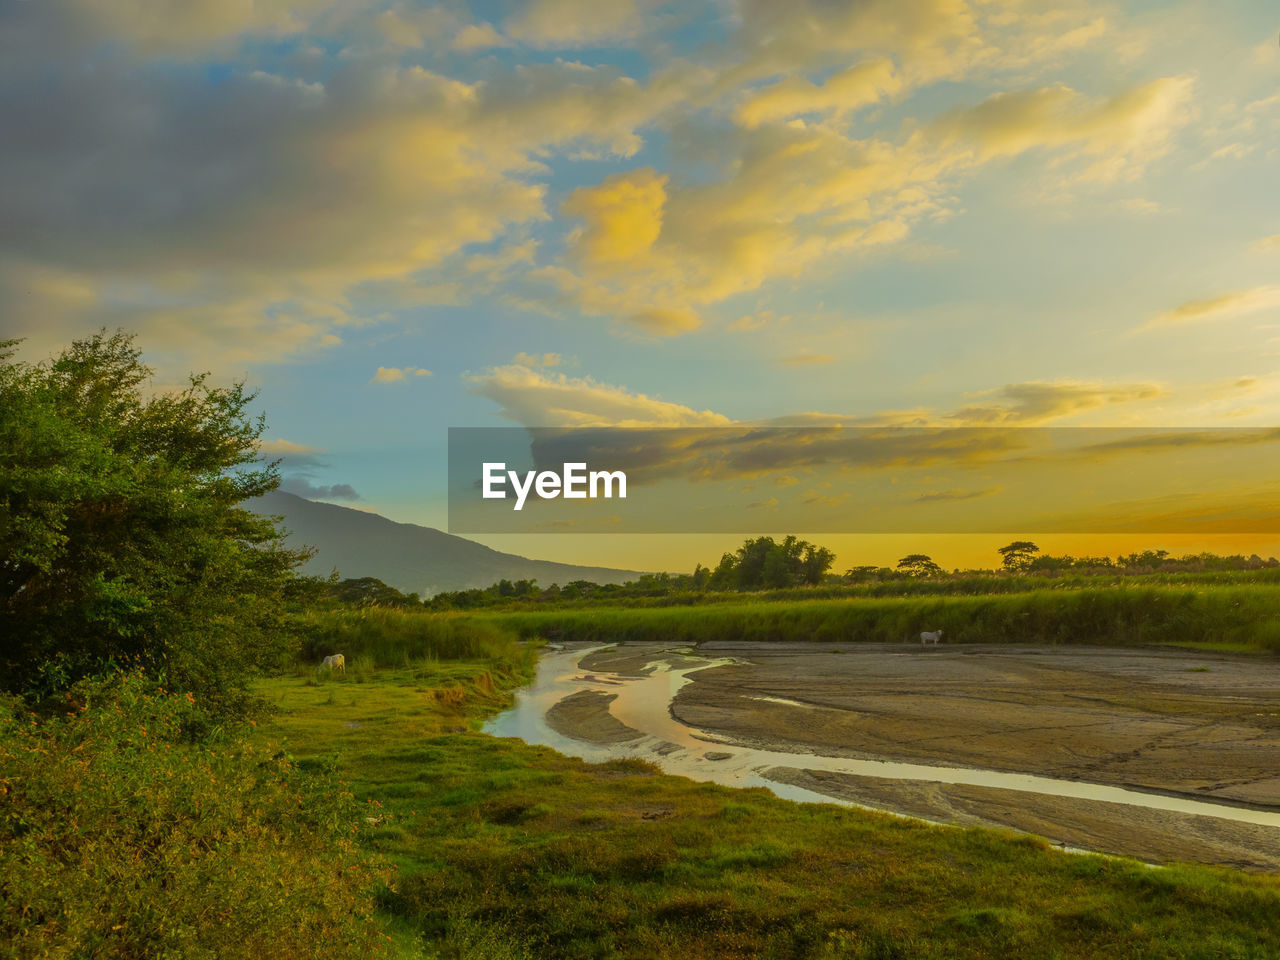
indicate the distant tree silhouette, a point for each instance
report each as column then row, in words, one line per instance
column 1018, row 555
column 919, row 565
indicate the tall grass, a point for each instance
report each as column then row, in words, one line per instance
column 1238, row 616
column 392, row 637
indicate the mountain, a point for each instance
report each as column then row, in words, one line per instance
column 405, row 556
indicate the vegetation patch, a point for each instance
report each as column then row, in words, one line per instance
column 120, row 837
column 508, row 850
column 1215, row 617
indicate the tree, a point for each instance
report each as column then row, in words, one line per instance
column 701, row 576
column 766, row 564
column 862, row 574
column 817, row 561
column 121, row 541
column 1018, row 556
column 1147, row 558
column 919, row 565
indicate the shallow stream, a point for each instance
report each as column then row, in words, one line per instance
column 644, row 704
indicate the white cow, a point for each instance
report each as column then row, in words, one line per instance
column 930, row 637
column 336, row 662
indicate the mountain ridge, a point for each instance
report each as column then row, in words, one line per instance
column 409, row 557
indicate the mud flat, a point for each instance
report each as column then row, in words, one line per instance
column 1163, row 722
column 1167, row 720
column 1157, row 836
column 585, row 716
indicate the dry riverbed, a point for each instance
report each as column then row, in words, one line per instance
column 1167, row 721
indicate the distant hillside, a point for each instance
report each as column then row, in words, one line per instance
column 406, row 556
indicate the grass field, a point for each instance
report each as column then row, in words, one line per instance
column 1221, row 617
column 975, row 583
column 504, row 850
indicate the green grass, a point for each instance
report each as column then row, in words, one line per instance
column 1213, row 617
column 505, row 850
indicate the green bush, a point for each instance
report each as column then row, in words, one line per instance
column 121, row 542
column 119, row 838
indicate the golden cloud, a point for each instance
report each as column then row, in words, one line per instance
column 798, row 194
column 224, row 251
column 622, row 216
column 858, row 86
column 280, row 445
column 570, row 24
column 177, row 25
column 807, row 359
column 1220, row 307
column 398, row 374
column 1123, row 133
column 665, row 321
column 948, row 496
column 1039, row 401
column 534, row 399
column 537, row 359
column 479, row 36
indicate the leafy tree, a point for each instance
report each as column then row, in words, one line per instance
column 766, row 564
column 919, row 565
column 701, row 576
column 369, row 592
column 865, row 573
column 1147, row 558
column 817, row 561
column 120, row 535
column 1018, row 555
column 725, row 575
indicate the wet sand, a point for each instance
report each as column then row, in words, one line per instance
column 1156, row 836
column 585, row 716
column 1206, row 725
column 1167, row 721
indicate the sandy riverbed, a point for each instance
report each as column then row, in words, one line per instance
column 1168, row 721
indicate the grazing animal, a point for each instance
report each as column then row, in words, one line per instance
column 336, row 662
column 930, row 637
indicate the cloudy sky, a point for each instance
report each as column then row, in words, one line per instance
column 398, row 217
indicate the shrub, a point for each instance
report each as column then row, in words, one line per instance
column 120, row 537
column 120, row 838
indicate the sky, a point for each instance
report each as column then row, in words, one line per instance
column 396, row 218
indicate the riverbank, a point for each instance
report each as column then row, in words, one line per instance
column 1164, row 755
column 506, row 850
